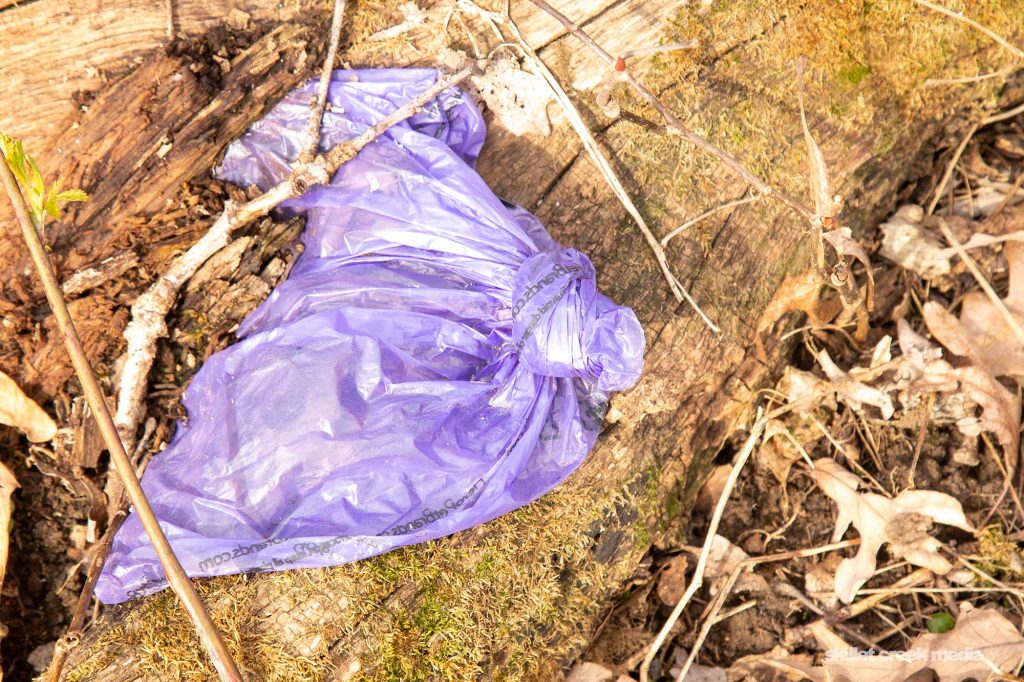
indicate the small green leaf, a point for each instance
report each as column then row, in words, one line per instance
column 42, row 200
column 71, row 195
column 940, row 622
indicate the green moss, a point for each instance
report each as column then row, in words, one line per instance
column 854, row 73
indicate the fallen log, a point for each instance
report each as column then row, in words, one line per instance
column 519, row 597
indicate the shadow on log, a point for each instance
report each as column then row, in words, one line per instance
column 519, row 597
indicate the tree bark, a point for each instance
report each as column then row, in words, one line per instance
column 517, row 598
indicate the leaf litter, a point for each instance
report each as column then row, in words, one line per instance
column 901, row 438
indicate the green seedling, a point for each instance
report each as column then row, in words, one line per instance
column 43, row 200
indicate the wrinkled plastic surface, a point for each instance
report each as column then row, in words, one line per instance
column 434, row 359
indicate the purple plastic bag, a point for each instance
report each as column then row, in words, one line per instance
column 433, row 361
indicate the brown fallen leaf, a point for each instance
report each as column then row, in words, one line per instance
column 8, row 484
column 982, row 332
column 722, row 559
column 854, row 393
column 784, row 667
column 842, row 241
column 672, row 580
column 1000, row 407
column 21, row 412
column 902, row 523
column 801, row 293
column 713, row 487
column 907, row 243
column 922, row 369
column 982, row 642
column 778, row 451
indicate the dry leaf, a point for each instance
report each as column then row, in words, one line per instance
column 824, row 204
column 722, row 559
column 8, row 484
column 982, row 641
column 592, row 672
column 852, row 392
column 714, row 486
column 1000, row 408
column 778, row 452
column 902, row 522
column 672, row 580
column 798, row 385
column 786, row 667
column 696, row 673
column 922, row 368
column 800, row 292
column 908, row 244
column 21, row 412
column 820, row 581
column 992, row 340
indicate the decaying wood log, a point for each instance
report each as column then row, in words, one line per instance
column 516, row 598
column 52, row 49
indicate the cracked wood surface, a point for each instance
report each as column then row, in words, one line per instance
column 697, row 386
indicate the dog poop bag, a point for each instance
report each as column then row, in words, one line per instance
column 434, row 359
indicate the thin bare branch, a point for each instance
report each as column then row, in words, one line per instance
column 707, row 214
column 100, row 552
column 179, row 582
column 713, row 616
column 950, row 167
column 674, row 123
column 590, row 144
column 150, row 310
column 316, row 109
column 169, row 15
column 1001, row 73
column 983, row 282
column 973, row 24
column 1003, row 115
column 716, row 518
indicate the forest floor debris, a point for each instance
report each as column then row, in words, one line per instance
column 910, row 433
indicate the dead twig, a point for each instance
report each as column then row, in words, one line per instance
column 973, row 24
column 738, row 570
column 951, row 166
column 983, row 282
column 319, row 105
column 179, row 582
column 8, row 484
column 707, row 214
column 100, row 552
column 169, row 15
column 675, row 125
column 756, row 431
column 590, row 144
column 150, row 310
